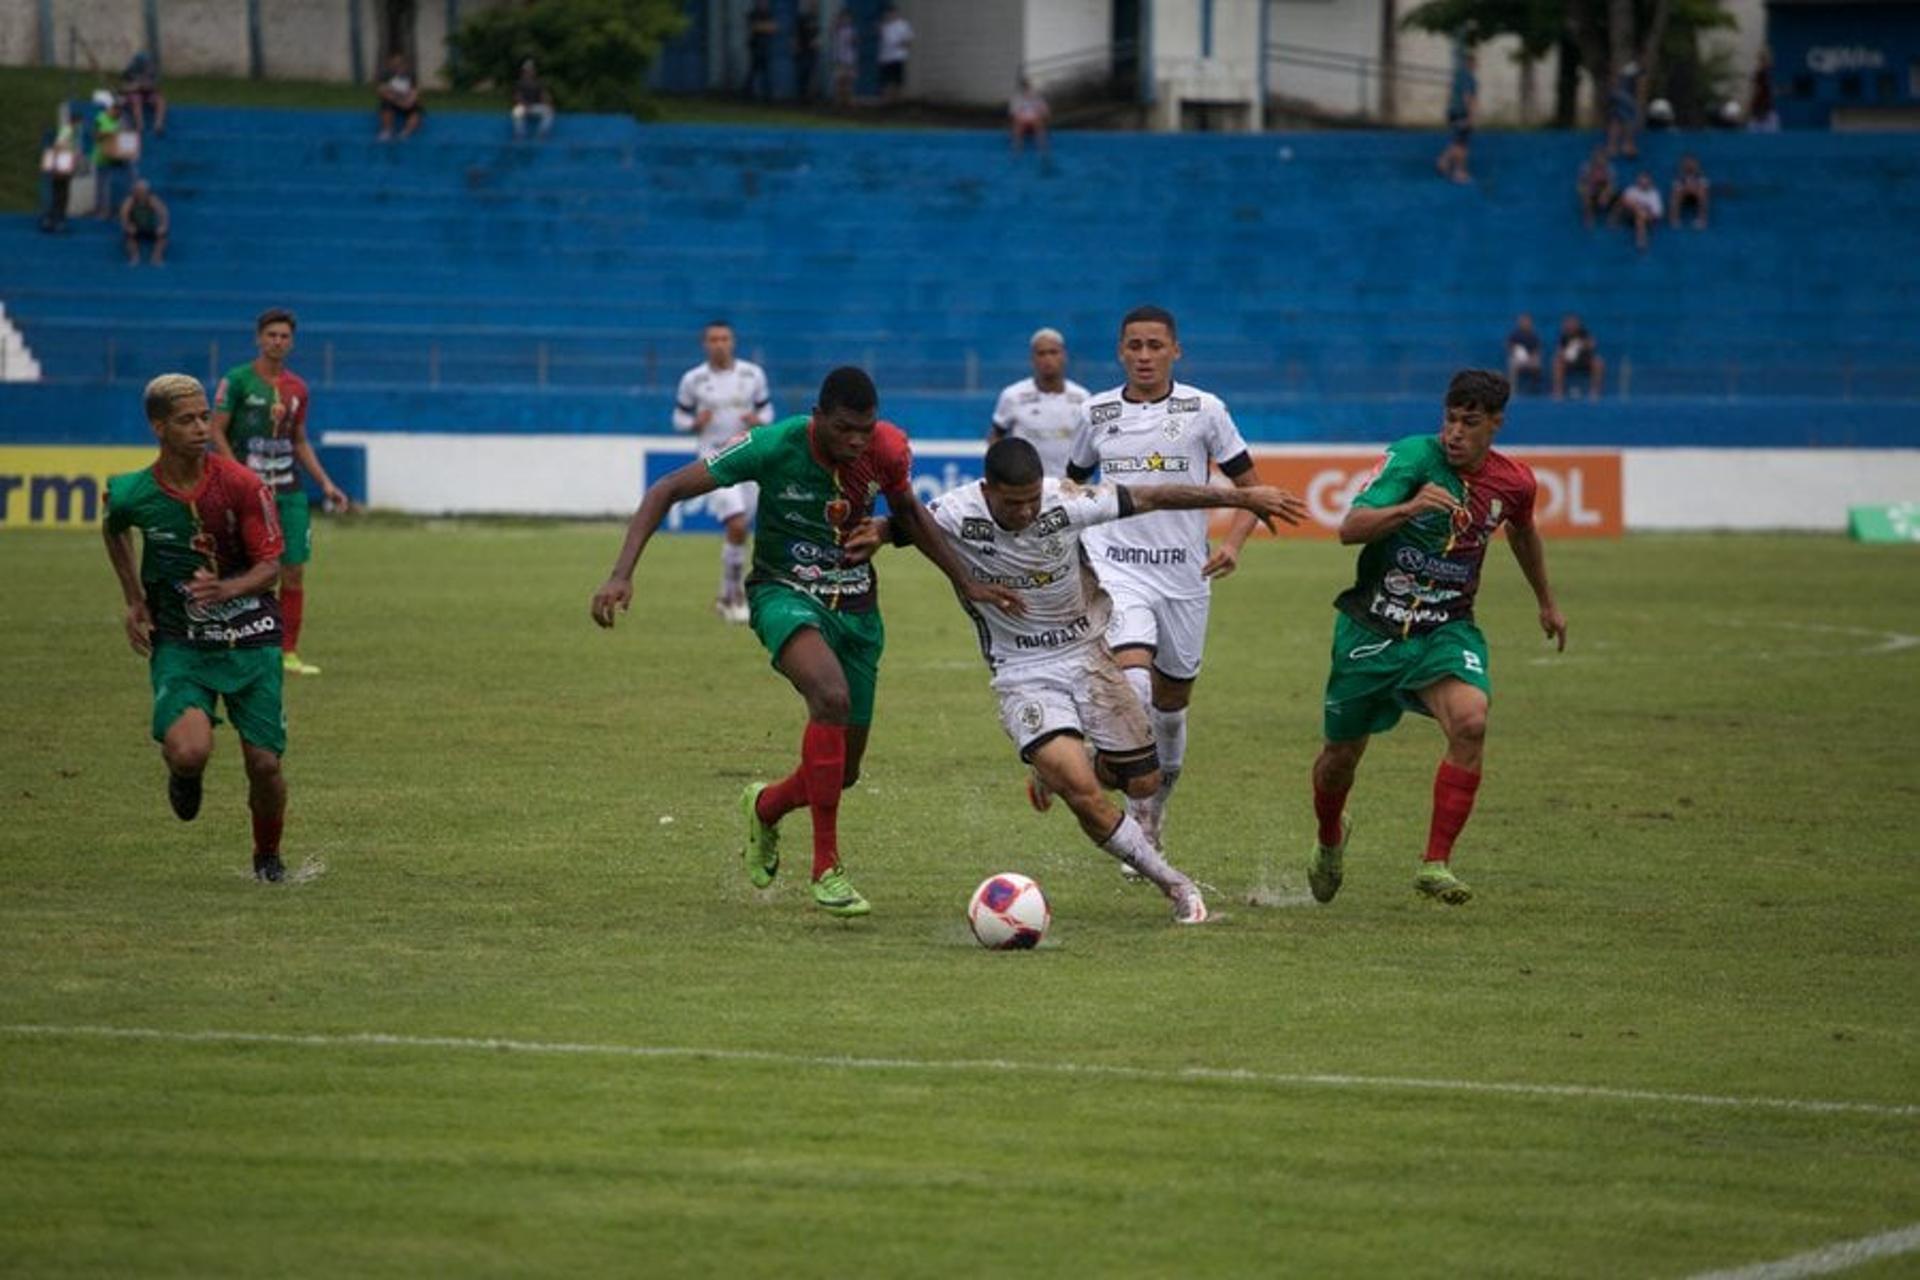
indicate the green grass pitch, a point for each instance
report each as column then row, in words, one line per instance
column 1697, row 859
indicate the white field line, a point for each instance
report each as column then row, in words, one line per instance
column 1221, row 1075
column 1828, row 1258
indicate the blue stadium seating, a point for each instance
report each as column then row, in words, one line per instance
column 564, row 283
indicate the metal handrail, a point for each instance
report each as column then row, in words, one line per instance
column 1336, row 60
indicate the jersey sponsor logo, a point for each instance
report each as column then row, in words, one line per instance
column 813, row 553
column 794, row 493
column 1017, row 581
column 1053, row 637
column 1155, row 462
column 1052, row 520
column 1401, row 614
column 1433, row 567
column 1147, row 555
column 1183, row 404
column 217, row 634
column 1029, row 397
column 1101, row 414
column 976, row 529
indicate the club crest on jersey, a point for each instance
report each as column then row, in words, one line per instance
column 1104, row 413
column 1462, row 519
column 1171, row 431
column 837, row 511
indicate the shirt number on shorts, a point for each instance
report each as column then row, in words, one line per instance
column 1472, row 662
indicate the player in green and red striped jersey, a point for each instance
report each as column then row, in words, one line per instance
column 1405, row 639
column 200, row 606
column 260, row 417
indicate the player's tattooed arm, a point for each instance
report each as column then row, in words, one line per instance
column 1370, row 524
column 616, row 593
column 1531, row 552
column 139, row 622
column 1265, row 502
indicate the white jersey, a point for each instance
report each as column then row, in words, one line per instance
column 738, row 397
column 1066, row 609
column 1044, row 419
column 1169, row 441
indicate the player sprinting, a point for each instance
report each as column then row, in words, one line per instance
column 1151, row 431
column 1405, row 638
column 1060, row 690
column 719, row 398
column 813, row 600
column 260, row 411
column 200, row 606
column 1042, row 409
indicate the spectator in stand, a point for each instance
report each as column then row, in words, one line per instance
column 896, row 46
column 1641, row 205
column 1578, row 353
column 1595, row 187
column 60, row 161
column 1523, row 353
column 1761, row 117
column 1623, row 113
column 399, row 100
column 114, row 144
column 806, row 49
column 140, row 86
column 1691, row 188
column 1029, row 113
column 531, row 98
column 846, row 58
column 762, row 30
column 1462, row 103
column 143, row 220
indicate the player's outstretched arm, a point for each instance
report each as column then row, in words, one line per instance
column 616, row 593
column 1265, row 502
column 1370, row 524
column 1531, row 551
column 138, row 621
column 913, row 522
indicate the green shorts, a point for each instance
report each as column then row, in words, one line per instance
column 1376, row 679
column 857, row 639
column 249, row 679
column 296, row 521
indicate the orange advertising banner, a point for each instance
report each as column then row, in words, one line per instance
column 1579, row 495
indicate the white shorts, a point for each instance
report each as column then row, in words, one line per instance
column 1083, row 694
column 742, row 499
column 1175, row 630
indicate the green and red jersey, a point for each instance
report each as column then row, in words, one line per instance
column 266, row 415
column 225, row 526
column 1424, row 574
column 809, row 507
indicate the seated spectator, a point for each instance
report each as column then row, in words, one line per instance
column 1577, row 353
column 1690, row 189
column 60, row 161
column 1523, row 353
column 143, row 220
column 1029, row 113
column 399, row 100
column 115, row 146
column 530, row 98
column 1595, row 186
column 1623, row 112
column 1641, row 205
column 140, row 86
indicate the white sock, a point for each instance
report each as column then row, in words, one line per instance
column 1142, row 681
column 733, row 570
column 1170, row 736
column 1130, row 844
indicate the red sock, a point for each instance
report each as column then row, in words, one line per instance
column 823, row 759
column 293, row 603
column 266, row 832
column 1327, row 807
column 781, row 798
column 1453, row 789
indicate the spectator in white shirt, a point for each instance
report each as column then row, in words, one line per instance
column 896, row 45
column 1029, row 114
column 1642, row 204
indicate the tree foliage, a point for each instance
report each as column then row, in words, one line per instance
column 592, row 54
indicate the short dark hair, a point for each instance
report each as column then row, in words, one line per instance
column 1013, row 461
column 1481, row 389
column 1150, row 315
column 719, row 324
column 848, row 387
column 275, row 315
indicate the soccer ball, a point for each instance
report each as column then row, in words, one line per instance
column 1009, row 913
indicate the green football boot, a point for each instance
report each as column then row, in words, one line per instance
column 834, row 894
column 763, row 840
column 1436, row 880
column 1328, row 867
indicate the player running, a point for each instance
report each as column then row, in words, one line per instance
column 813, row 598
column 1405, row 637
column 1153, row 431
column 200, row 606
column 1043, row 409
column 720, row 398
column 260, row 408
column 1059, row 688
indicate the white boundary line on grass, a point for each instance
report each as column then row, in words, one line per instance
column 1828, row 1258
column 1224, row 1075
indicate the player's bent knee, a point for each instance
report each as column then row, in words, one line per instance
column 261, row 763
column 830, row 704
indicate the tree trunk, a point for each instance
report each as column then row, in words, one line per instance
column 1529, row 89
column 1566, row 86
column 1389, row 60
column 1650, row 52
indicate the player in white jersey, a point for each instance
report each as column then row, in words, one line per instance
column 1060, row 691
column 1152, row 431
column 720, row 398
column 1042, row 410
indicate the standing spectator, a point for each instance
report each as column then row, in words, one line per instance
column 762, row 29
column 896, row 46
column 143, row 220
column 1579, row 353
column 806, row 49
column 1623, row 113
column 110, row 151
column 59, row 162
column 1641, row 204
column 140, row 86
column 1595, row 186
column 1761, row 117
column 1691, row 187
column 399, row 99
column 1462, row 102
column 846, row 58
column 531, row 98
column 1523, row 352
column 1029, row 113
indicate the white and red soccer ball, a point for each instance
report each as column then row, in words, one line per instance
column 1009, row 913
